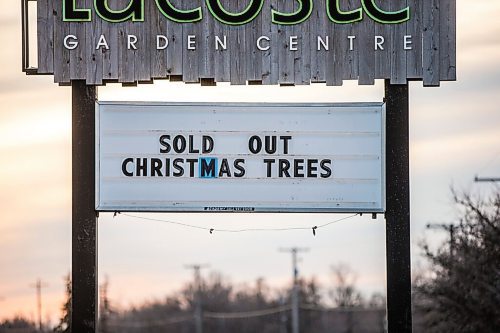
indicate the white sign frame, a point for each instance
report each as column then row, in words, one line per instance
column 102, row 205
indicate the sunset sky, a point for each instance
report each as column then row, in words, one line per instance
column 455, row 134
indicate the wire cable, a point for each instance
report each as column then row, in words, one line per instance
column 308, row 307
column 152, row 323
column 490, row 161
column 246, row 314
column 212, row 230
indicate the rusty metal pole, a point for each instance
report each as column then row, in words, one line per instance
column 84, row 217
column 399, row 316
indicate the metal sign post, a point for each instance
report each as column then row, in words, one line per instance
column 84, row 221
column 397, row 214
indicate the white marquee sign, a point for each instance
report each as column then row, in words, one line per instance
column 240, row 157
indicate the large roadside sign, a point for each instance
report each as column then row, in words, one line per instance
column 240, row 157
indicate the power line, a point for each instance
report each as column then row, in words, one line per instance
column 490, row 162
column 246, row 314
column 152, row 323
column 310, row 307
column 478, row 179
column 210, row 315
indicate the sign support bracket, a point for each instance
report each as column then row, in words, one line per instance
column 398, row 255
column 84, row 216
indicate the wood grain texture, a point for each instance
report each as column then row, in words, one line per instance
column 364, row 41
column 318, row 22
column 266, row 31
column 206, row 42
column 190, row 63
column 432, row 58
column 111, row 56
column 158, row 57
column 94, row 56
column 383, row 54
column 78, row 64
column 447, row 45
column 431, row 44
column 414, row 29
column 237, row 38
column 175, row 50
column 222, row 57
column 302, row 57
column 45, row 35
column 398, row 53
column 286, row 57
column 61, row 54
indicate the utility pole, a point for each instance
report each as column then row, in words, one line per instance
column 295, row 289
column 198, row 311
column 38, row 287
column 283, row 318
column 450, row 228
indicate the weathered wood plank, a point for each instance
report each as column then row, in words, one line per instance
column 254, row 60
column 447, row 45
column 175, row 50
column 192, row 52
column 318, row 28
column 302, row 57
column 145, row 45
column 275, row 47
column 383, row 53
column 45, row 36
column 286, row 56
column 364, row 41
column 61, row 54
column 94, row 56
column 431, row 42
column 333, row 69
column 222, row 56
column 238, row 58
column 414, row 29
column 207, row 45
column 127, row 64
column 351, row 68
column 158, row 56
column 345, row 58
column 398, row 54
column 266, row 57
column 78, row 57
column 110, row 58
column 238, row 51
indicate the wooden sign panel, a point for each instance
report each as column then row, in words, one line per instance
column 319, row 49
